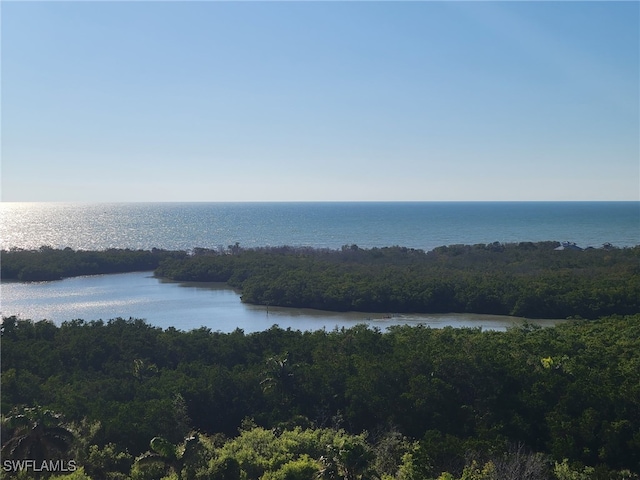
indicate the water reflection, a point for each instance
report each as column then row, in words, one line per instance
column 193, row 305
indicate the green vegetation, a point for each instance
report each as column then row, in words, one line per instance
column 527, row 279
column 48, row 263
column 136, row 401
column 122, row 399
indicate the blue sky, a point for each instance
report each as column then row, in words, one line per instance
column 315, row 101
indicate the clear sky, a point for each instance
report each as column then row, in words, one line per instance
column 307, row 101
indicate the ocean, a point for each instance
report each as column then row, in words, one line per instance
column 423, row 225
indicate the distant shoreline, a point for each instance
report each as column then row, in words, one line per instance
column 529, row 280
column 423, row 225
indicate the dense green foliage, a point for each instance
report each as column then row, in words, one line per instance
column 123, row 399
column 528, row 279
column 48, row 263
column 432, row 401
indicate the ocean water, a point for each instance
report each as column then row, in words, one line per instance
column 423, row 225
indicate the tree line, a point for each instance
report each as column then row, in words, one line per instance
column 410, row 403
column 47, row 263
column 525, row 279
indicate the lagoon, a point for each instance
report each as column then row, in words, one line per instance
column 187, row 306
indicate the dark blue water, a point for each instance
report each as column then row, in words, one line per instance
column 423, row 225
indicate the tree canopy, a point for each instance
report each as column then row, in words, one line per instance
column 527, row 279
column 568, row 392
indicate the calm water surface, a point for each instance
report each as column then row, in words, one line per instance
column 424, row 225
column 189, row 306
